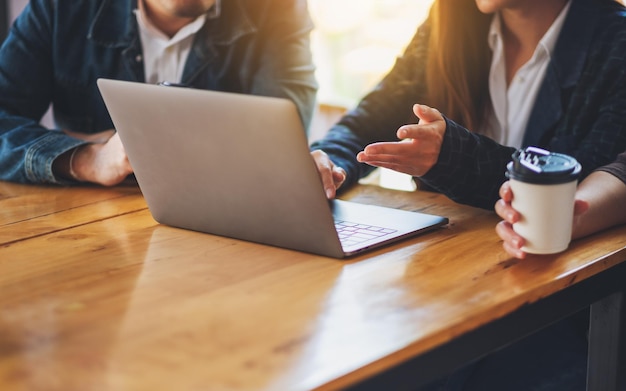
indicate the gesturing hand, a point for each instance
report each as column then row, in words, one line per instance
column 418, row 148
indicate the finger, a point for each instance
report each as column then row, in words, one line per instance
column 512, row 242
column 426, row 113
column 506, row 211
column 339, row 176
column 391, row 161
column 505, row 192
column 512, row 251
column 422, row 149
column 415, row 165
column 325, row 167
column 422, row 131
column 392, row 166
column 388, row 151
column 506, row 233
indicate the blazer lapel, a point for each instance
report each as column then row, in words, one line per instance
column 563, row 72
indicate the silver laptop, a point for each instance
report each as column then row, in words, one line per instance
column 239, row 166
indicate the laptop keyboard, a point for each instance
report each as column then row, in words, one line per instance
column 354, row 233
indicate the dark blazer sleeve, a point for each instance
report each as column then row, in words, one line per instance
column 617, row 168
column 286, row 66
column 470, row 168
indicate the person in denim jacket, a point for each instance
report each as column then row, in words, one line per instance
column 56, row 50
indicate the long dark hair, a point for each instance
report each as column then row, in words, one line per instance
column 459, row 59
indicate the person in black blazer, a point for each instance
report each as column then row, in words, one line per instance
column 480, row 79
column 445, row 76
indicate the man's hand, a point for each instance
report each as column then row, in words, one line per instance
column 332, row 176
column 418, row 150
column 103, row 163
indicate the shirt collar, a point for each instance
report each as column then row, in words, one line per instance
column 547, row 42
column 215, row 11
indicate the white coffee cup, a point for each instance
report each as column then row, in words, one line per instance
column 544, row 186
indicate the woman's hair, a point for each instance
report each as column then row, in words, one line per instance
column 459, row 59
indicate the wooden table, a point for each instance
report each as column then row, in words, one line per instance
column 95, row 295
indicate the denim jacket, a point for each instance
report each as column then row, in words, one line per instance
column 56, row 49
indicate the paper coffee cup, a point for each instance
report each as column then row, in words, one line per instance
column 544, row 186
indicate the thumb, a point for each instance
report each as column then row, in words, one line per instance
column 426, row 114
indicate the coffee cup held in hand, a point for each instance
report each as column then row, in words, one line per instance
column 543, row 184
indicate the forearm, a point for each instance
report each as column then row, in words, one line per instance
column 606, row 195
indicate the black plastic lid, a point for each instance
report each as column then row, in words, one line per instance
column 536, row 165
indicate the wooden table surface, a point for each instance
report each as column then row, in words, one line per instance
column 95, row 295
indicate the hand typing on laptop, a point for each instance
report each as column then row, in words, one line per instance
column 332, row 175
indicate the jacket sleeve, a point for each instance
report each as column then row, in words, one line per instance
column 470, row 168
column 27, row 149
column 617, row 168
column 286, row 65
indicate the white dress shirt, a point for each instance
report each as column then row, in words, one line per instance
column 511, row 107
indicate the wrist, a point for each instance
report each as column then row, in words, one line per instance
column 65, row 165
column 71, row 171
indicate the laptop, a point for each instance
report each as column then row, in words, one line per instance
column 239, row 166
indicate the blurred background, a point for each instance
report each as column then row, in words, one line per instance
column 355, row 42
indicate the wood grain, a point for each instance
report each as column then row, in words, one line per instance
column 104, row 298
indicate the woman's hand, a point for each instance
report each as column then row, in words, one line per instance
column 418, row 148
column 332, row 175
column 511, row 241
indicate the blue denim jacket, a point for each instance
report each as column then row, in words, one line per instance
column 57, row 49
